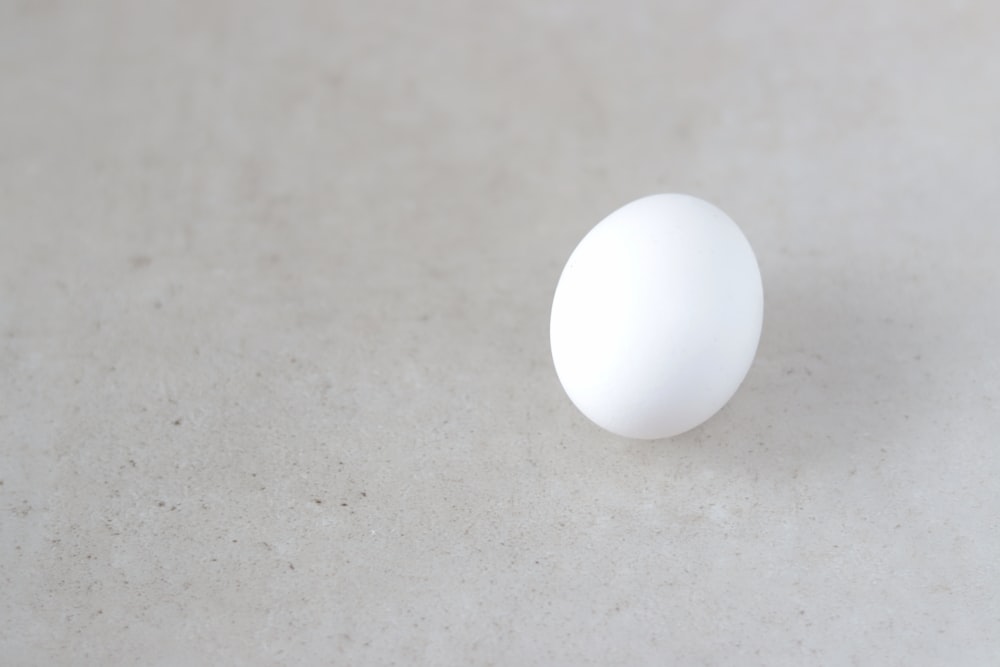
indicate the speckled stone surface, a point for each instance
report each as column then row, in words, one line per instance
column 275, row 385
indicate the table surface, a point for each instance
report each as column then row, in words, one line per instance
column 275, row 384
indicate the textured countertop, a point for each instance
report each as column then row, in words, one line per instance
column 275, row 385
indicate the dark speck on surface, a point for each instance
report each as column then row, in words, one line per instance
column 140, row 261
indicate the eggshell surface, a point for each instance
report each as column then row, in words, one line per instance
column 657, row 316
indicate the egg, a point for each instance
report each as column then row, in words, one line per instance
column 657, row 316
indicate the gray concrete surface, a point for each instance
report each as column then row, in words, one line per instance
column 275, row 386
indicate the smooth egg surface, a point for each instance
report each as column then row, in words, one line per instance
column 657, row 316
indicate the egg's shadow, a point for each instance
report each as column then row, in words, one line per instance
column 839, row 350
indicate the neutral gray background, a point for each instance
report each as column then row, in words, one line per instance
column 275, row 384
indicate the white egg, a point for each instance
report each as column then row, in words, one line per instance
column 657, row 316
